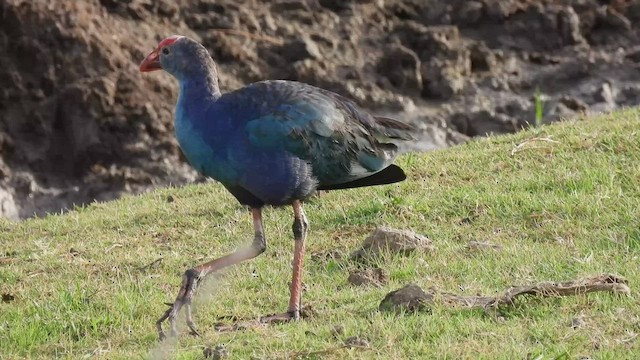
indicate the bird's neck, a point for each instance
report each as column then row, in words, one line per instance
column 200, row 83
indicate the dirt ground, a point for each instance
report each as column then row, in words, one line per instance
column 79, row 123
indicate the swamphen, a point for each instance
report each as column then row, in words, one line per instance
column 271, row 143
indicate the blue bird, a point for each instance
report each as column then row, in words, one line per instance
column 271, row 143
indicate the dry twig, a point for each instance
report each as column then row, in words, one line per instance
column 523, row 144
column 152, row 264
column 604, row 282
column 6, row 260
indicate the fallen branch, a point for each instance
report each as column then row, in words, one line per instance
column 604, row 282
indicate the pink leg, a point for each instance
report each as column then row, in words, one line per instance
column 300, row 228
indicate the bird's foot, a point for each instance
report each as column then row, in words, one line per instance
column 280, row 318
column 305, row 312
column 185, row 295
column 272, row 319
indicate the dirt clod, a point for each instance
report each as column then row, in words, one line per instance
column 7, row 298
column 384, row 239
column 356, row 342
column 374, row 276
column 410, row 298
column 217, row 353
column 337, row 330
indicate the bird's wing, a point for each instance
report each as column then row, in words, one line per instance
column 341, row 141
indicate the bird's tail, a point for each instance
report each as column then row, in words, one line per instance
column 407, row 137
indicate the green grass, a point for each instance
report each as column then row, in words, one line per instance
column 560, row 209
column 538, row 99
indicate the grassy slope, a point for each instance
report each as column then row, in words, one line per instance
column 559, row 210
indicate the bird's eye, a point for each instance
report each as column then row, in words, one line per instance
column 166, row 51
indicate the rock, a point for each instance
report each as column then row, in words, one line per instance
column 374, row 276
column 401, row 67
column 410, row 298
column 384, row 239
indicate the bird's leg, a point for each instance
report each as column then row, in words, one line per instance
column 191, row 277
column 300, row 228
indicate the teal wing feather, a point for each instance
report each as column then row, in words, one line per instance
column 341, row 141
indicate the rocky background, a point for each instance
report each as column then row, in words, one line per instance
column 79, row 123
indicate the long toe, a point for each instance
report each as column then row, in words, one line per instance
column 190, row 323
column 280, row 318
column 185, row 294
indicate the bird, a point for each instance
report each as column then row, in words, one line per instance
column 271, row 143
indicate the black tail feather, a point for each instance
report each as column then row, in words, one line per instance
column 390, row 174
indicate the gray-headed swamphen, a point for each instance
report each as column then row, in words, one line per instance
column 271, row 143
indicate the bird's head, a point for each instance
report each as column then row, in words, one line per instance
column 178, row 55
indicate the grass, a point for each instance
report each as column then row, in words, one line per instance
column 560, row 209
column 538, row 99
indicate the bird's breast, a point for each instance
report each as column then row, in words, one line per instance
column 201, row 148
